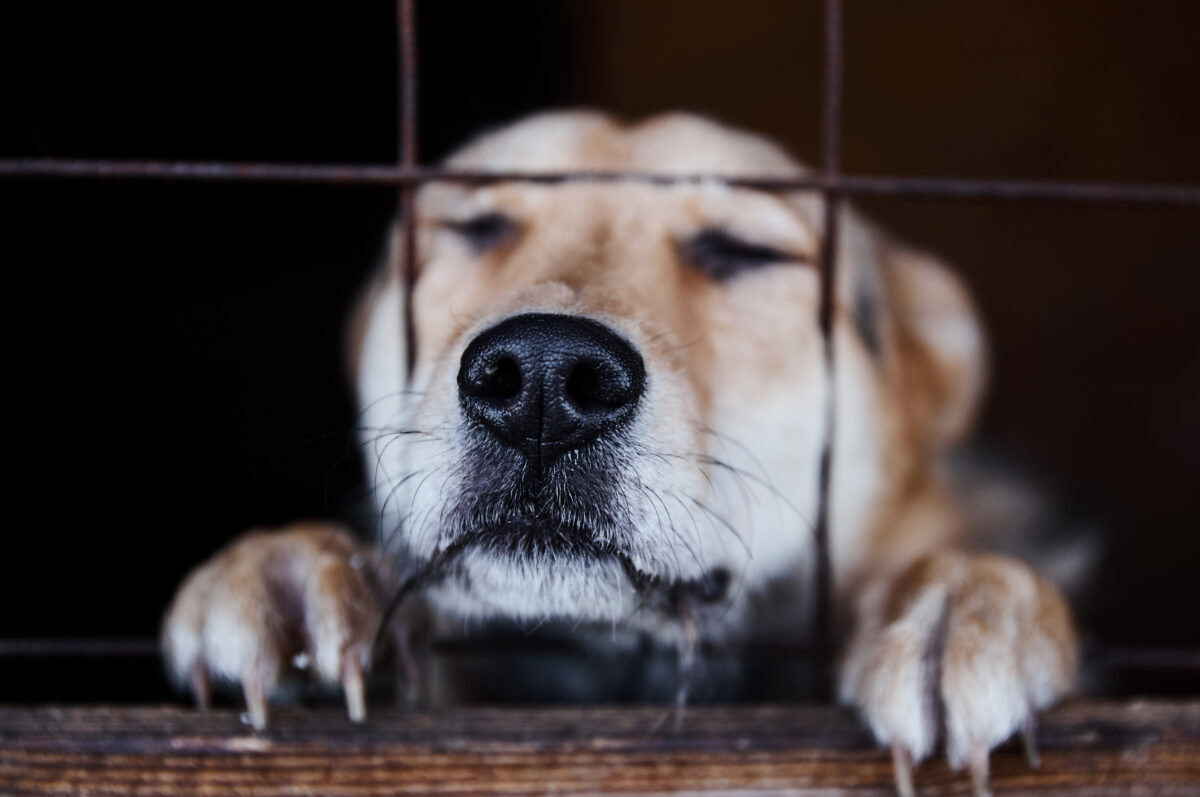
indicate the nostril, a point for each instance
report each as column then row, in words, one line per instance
column 496, row 377
column 593, row 387
column 503, row 378
column 582, row 387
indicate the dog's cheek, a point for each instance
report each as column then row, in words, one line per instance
column 768, row 387
column 665, row 487
column 381, row 402
column 381, row 354
column 408, row 430
column 865, row 453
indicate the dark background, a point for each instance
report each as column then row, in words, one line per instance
column 175, row 368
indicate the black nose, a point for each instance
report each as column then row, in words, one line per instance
column 547, row 384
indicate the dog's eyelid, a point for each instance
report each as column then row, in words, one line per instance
column 723, row 254
column 484, row 231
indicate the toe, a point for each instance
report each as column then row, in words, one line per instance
column 896, row 672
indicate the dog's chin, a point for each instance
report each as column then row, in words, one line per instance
column 529, row 569
column 532, row 581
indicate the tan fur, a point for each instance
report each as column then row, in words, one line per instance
column 981, row 642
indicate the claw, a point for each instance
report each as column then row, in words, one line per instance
column 902, row 766
column 1029, row 738
column 256, row 700
column 352, row 683
column 201, row 686
column 979, row 770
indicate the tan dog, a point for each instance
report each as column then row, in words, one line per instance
column 616, row 419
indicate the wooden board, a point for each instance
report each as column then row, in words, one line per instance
column 1087, row 748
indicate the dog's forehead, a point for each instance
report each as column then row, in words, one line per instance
column 667, row 144
column 674, row 143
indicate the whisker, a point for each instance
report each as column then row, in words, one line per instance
column 653, row 494
column 717, row 463
column 695, row 523
column 433, row 571
column 651, row 497
column 726, row 524
column 730, row 440
column 384, row 397
column 386, row 538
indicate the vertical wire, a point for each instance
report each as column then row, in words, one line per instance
column 406, row 129
column 831, row 123
column 405, row 265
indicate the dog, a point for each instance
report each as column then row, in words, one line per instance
column 615, row 418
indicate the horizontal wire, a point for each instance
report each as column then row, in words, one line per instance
column 81, row 647
column 392, row 175
column 1103, row 656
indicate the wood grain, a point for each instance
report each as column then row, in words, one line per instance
column 1087, row 748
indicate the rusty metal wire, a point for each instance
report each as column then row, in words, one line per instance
column 393, row 175
column 831, row 140
column 78, row 647
column 1104, row 658
column 406, row 129
column 407, row 175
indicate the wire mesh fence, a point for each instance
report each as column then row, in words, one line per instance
column 407, row 174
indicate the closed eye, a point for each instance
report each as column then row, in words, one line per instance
column 486, row 232
column 722, row 255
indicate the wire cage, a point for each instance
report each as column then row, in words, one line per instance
column 407, row 174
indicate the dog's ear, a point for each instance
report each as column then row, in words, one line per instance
column 938, row 348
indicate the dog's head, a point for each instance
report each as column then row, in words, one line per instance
column 620, row 385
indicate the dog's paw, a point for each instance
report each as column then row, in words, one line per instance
column 303, row 596
column 964, row 647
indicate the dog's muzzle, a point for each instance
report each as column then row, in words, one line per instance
column 547, row 384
